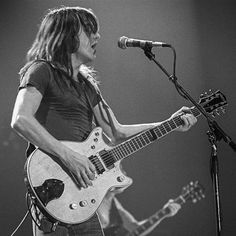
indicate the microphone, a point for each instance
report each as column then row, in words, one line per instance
column 125, row 42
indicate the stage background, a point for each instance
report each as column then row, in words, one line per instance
column 203, row 34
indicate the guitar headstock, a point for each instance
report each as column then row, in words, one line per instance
column 193, row 191
column 213, row 103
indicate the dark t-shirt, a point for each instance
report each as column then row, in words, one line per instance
column 64, row 110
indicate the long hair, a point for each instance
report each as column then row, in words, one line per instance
column 57, row 36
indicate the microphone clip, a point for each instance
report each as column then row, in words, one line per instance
column 148, row 51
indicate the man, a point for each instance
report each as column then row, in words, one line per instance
column 117, row 221
column 58, row 98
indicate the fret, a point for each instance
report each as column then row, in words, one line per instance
column 115, row 154
column 172, row 124
column 121, row 150
column 131, row 147
column 162, row 133
column 139, row 142
column 175, row 122
column 123, row 147
column 158, row 132
column 167, row 126
column 142, row 140
column 162, row 129
column 195, row 112
column 119, row 153
column 146, row 138
column 150, row 136
column 178, row 120
column 135, row 144
column 127, row 148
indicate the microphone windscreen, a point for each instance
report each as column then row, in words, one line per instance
column 122, row 42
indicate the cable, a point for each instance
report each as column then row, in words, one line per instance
column 35, row 210
column 174, row 77
column 26, row 214
column 29, row 206
column 20, row 223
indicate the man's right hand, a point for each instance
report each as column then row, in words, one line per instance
column 82, row 168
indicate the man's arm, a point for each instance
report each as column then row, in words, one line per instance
column 171, row 209
column 26, row 125
column 130, row 223
column 128, row 220
column 124, row 131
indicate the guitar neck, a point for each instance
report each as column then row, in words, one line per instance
column 143, row 139
column 156, row 218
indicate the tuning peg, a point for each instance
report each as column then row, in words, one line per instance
column 194, row 200
column 202, row 95
column 210, row 91
column 217, row 111
column 202, row 194
column 223, row 110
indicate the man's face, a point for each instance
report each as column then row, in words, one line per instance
column 86, row 51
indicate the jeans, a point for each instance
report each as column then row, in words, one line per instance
column 90, row 227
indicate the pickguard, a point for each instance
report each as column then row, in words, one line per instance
column 51, row 189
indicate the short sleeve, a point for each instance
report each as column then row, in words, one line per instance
column 94, row 94
column 38, row 76
column 97, row 97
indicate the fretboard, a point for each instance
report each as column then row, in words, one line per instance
column 143, row 139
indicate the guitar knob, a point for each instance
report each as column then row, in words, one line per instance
column 93, row 201
column 83, row 203
column 73, row 206
column 120, row 178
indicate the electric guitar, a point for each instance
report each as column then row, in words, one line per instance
column 193, row 191
column 52, row 185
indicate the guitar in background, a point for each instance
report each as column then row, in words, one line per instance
column 193, row 192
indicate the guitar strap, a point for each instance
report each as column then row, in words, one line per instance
column 105, row 107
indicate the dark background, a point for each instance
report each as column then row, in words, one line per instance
column 203, row 34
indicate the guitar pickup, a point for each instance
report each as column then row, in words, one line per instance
column 97, row 163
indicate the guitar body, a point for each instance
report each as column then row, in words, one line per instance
column 56, row 192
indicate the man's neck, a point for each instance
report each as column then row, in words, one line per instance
column 75, row 66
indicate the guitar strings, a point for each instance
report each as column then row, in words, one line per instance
column 130, row 146
column 138, row 142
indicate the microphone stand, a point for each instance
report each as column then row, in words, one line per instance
column 215, row 134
